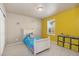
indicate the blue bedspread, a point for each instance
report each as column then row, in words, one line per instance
column 30, row 41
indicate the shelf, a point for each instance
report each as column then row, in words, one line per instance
column 69, row 42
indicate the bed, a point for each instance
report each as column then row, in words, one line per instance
column 36, row 44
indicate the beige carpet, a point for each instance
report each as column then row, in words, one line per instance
column 22, row 50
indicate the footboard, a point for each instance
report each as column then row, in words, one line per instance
column 42, row 44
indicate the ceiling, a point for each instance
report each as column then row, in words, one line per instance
column 29, row 9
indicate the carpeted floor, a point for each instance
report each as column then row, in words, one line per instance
column 22, row 50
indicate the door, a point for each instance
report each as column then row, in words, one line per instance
column 2, row 32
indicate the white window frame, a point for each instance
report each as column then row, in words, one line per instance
column 52, row 20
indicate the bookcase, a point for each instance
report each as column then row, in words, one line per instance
column 69, row 42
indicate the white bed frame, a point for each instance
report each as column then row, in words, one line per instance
column 39, row 45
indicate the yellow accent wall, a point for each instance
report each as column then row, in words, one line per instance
column 67, row 22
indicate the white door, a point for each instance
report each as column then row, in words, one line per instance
column 2, row 32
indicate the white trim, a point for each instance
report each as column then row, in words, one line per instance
column 14, row 44
column 2, row 12
column 2, row 37
column 54, row 28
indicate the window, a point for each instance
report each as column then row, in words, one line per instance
column 51, row 27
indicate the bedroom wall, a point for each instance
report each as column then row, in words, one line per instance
column 25, row 22
column 67, row 22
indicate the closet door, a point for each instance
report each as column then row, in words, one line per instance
column 2, row 32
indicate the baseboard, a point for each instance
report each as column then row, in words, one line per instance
column 13, row 44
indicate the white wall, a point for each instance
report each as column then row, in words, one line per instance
column 2, row 28
column 13, row 29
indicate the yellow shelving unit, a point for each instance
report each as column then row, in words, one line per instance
column 67, row 45
column 69, row 42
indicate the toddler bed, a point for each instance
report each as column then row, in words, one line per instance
column 36, row 43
